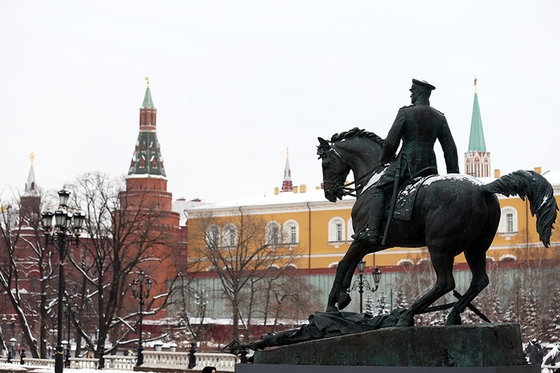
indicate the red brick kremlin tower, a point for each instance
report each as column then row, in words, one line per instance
column 146, row 189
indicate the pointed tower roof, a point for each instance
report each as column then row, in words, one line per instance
column 287, row 182
column 146, row 159
column 148, row 102
column 476, row 139
column 31, row 184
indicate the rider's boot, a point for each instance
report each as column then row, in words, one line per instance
column 374, row 231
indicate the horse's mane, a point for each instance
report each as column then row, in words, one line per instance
column 357, row 132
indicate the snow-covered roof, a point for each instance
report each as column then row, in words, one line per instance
column 262, row 200
column 553, row 177
column 285, row 198
column 315, row 195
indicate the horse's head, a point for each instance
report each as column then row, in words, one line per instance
column 335, row 170
column 356, row 150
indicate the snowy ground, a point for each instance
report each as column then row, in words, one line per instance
column 23, row 368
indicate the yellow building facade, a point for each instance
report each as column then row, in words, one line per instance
column 319, row 232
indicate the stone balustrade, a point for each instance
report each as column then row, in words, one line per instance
column 222, row 362
column 164, row 359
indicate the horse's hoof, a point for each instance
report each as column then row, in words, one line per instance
column 453, row 319
column 405, row 321
column 343, row 300
column 332, row 309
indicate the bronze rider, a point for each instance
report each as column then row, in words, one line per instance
column 418, row 126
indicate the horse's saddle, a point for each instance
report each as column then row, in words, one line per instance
column 406, row 197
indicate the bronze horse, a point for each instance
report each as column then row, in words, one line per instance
column 452, row 214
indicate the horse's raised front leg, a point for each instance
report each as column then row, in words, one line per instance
column 443, row 266
column 344, row 272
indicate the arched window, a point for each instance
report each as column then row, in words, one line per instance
column 337, row 230
column 405, row 262
column 272, row 233
column 213, row 237
column 229, row 235
column 507, row 257
column 291, row 232
column 508, row 221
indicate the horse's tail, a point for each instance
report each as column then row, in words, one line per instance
column 539, row 192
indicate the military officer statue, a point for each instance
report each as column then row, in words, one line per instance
column 418, row 126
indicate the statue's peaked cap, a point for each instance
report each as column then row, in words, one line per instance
column 423, row 84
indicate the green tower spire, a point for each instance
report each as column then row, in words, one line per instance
column 146, row 159
column 148, row 102
column 476, row 139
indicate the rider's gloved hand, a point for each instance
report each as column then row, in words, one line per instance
column 380, row 167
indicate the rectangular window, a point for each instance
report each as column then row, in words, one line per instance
column 339, row 231
column 230, row 237
column 293, row 236
column 509, row 223
column 274, row 235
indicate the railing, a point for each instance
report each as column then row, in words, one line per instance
column 38, row 362
column 119, row 362
column 223, row 362
column 84, row 363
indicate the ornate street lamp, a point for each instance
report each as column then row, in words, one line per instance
column 66, row 225
column 13, row 343
column 11, row 352
column 141, row 291
column 362, row 284
column 69, row 312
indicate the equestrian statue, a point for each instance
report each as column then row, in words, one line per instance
column 401, row 201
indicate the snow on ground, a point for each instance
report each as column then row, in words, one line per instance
column 23, row 368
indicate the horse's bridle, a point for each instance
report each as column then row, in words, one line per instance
column 346, row 190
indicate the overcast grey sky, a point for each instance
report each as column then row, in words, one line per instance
column 237, row 82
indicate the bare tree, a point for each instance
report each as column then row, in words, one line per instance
column 124, row 238
column 26, row 271
column 281, row 298
column 248, row 256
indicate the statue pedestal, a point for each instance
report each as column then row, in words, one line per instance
column 463, row 348
column 259, row 368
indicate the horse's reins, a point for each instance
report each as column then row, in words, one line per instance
column 346, row 190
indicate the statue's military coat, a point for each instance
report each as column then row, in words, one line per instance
column 419, row 126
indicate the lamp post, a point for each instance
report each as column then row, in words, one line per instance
column 12, row 324
column 141, row 291
column 66, row 224
column 362, row 284
column 69, row 312
column 13, row 342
